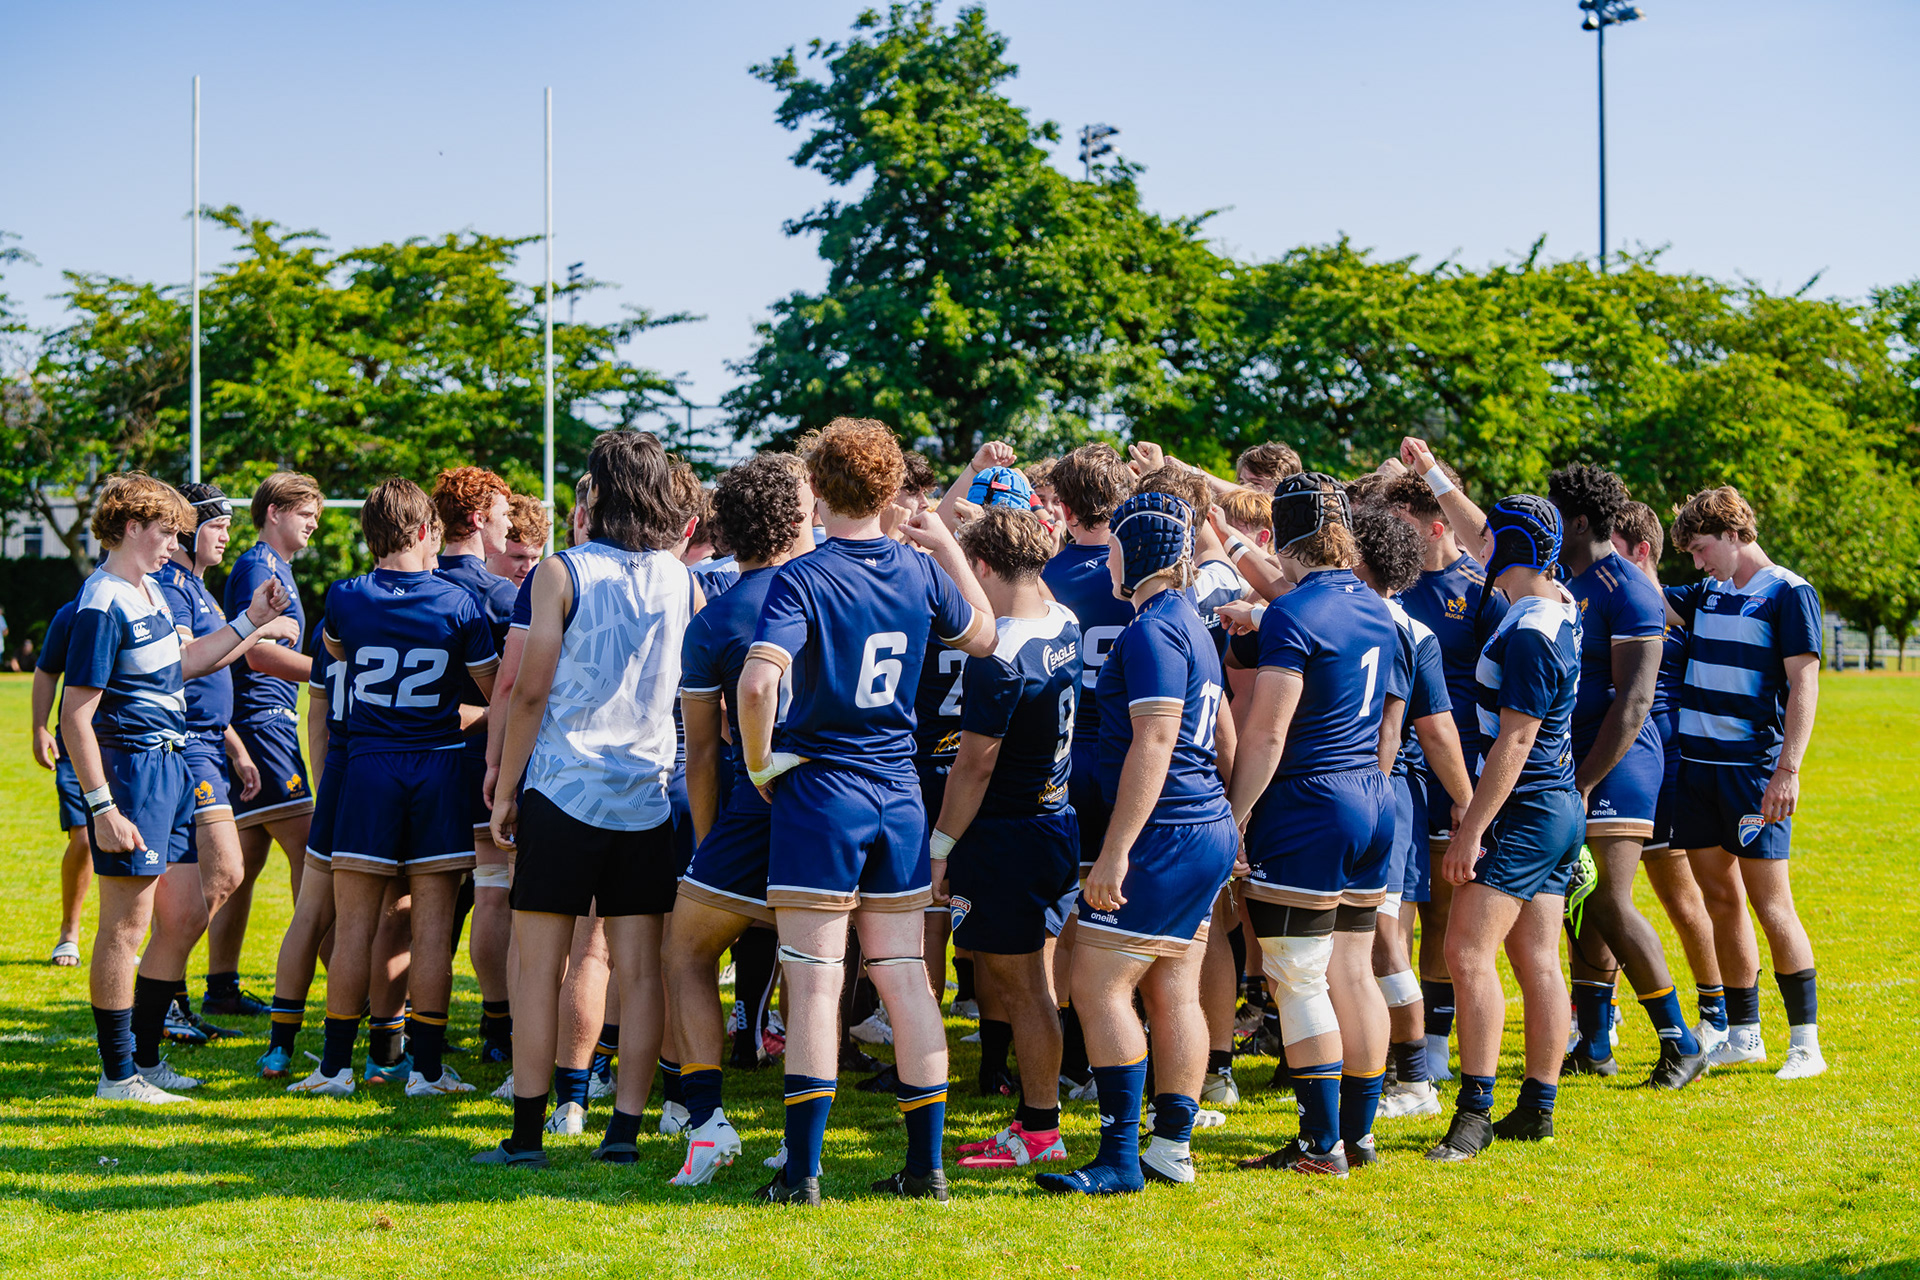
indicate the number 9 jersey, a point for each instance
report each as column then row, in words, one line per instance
column 410, row 640
column 852, row 619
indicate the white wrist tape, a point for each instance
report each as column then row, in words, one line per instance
column 98, row 800
column 243, row 626
column 777, row 763
column 939, row 845
column 1259, row 612
column 1437, row 480
column 1237, row 547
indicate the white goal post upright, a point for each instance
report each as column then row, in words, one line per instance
column 546, row 457
column 193, row 377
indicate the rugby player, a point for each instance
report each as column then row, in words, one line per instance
column 474, row 506
column 1310, row 792
column 1637, row 536
column 1451, row 599
column 852, row 621
column 1005, row 849
column 1619, row 763
column 1263, row 466
column 49, row 752
column 1746, row 716
column 529, row 525
column 589, row 736
column 1089, row 482
column 410, row 639
column 764, row 509
column 286, row 511
column 123, row 718
column 1513, row 851
column 1166, row 744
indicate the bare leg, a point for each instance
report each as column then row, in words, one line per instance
column 697, row 936
column 1771, row 893
column 1679, row 894
column 1478, row 922
column 300, row 948
column 1724, row 891
column 1103, row 987
column 1025, row 994
column 1170, row 990
column 491, row 927
column 1627, row 932
column 1533, row 949
column 179, row 918
column 1357, row 1003
column 76, row 873
column 813, row 990
column 1218, row 982
column 126, row 907
column 633, row 947
column 391, row 960
column 222, row 875
column 357, row 898
column 583, row 1000
column 919, row 1036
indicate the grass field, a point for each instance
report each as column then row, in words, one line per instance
column 1741, row 1175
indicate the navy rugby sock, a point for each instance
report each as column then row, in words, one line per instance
column 1713, row 1007
column 285, row 1018
column 151, row 998
column 570, row 1084
column 1538, row 1094
column 923, row 1107
column 1359, row 1104
column 1664, row 1008
column 963, row 980
column 1410, row 1061
column 1743, row 1006
column 700, row 1091
column 1802, row 1001
column 427, row 1033
column 670, row 1090
column 114, row 1028
column 1119, row 1090
column 809, row 1103
column 1476, row 1093
column 1219, row 1061
column 1073, row 1045
column 605, row 1049
column 336, row 1047
column 496, row 1022
column 996, row 1038
column 529, row 1122
column 221, row 985
column 1438, row 997
column 1593, row 1014
column 385, row 1036
column 1037, row 1119
column 622, row 1128
column 1173, row 1116
column 1317, row 1088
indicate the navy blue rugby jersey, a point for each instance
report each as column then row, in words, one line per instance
column 1675, row 646
column 329, row 678
column 716, row 577
column 124, row 644
column 209, row 697
column 1616, row 603
column 1462, row 613
column 714, row 651
column 256, row 694
column 1165, row 662
column 496, row 596
column 1340, row 636
column 411, row 642
column 1426, row 684
column 1733, row 705
column 853, row 618
column 937, row 701
column 1532, row 665
column 1024, row 693
column 53, row 656
column 1079, row 579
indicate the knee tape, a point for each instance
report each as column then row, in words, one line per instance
column 493, row 876
column 876, row 962
column 1390, row 905
column 1400, row 989
column 787, row 955
column 1296, row 970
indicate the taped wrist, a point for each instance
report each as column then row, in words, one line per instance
column 777, row 763
column 1437, row 481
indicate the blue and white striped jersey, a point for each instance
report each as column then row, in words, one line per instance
column 1023, row 693
column 1531, row 664
column 1733, row 706
column 124, row 644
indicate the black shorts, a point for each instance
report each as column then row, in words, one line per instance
column 569, row 868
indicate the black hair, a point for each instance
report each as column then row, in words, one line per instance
column 756, row 506
column 1389, row 547
column 1593, row 492
column 633, row 502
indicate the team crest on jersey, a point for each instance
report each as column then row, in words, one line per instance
column 1750, row 825
column 949, row 743
column 1456, row 607
column 958, row 907
column 295, row 784
column 1058, row 658
column 203, row 793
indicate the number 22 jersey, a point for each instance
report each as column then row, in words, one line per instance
column 410, row 641
column 853, row 619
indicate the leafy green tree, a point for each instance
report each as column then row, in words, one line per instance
column 973, row 290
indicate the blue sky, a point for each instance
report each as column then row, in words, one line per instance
column 1761, row 139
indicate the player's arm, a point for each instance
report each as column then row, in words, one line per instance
column 319, row 732
column 245, row 772
column 539, row 659
column 113, row 831
column 1440, row 741
column 1636, row 668
column 243, row 635
column 1226, row 741
column 1505, row 759
column 1276, row 696
column 1803, row 702
column 701, row 713
column 1156, row 730
column 1393, row 714
column 933, row 537
column 1468, row 520
column 759, row 696
column 499, row 705
column 966, row 788
column 994, row 453
column 45, row 750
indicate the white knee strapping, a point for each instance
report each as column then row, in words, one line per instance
column 1296, row 970
column 1390, row 906
column 1400, row 989
column 788, row 955
column 877, row 962
column 493, row 876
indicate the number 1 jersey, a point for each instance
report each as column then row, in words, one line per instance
column 411, row 639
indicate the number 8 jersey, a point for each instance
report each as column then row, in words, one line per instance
column 410, row 639
column 853, row 619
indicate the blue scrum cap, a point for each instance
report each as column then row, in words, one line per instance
column 1155, row 532
column 1002, row 487
column 1525, row 529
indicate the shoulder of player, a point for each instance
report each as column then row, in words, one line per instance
column 1015, row 634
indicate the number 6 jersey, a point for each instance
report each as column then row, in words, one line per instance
column 410, row 640
column 853, row 619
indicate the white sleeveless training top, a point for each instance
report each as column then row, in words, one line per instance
column 605, row 749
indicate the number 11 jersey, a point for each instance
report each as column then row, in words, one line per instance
column 410, row 641
column 853, row 620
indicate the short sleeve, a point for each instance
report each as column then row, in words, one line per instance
column 1400, row 672
column 248, row 573
column 53, row 647
column 178, row 603
column 317, row 652
column 330, row 615
column 952, row 612
column 1530, row 673
column 699, row 667
column 94, row 649
column 1685, row 600
column 476, row 637
column 522, row 616
column 1429, row 693
column 1638, row 613
column 1153, row 669
column 1284, row 642
column 786, row 619
column 1797, row 628
column 989, row 694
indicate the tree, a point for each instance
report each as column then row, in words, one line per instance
column 973, row 290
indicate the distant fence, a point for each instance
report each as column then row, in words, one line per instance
column 1846, row 648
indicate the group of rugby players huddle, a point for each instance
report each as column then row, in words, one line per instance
column 1119, row 731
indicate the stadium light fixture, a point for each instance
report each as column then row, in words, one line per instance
column 1093, row 145
column 1597, row 16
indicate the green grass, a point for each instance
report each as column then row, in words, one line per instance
column 1741, row 1175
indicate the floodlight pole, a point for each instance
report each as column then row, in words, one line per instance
column 546, row 464
column 193, row 377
